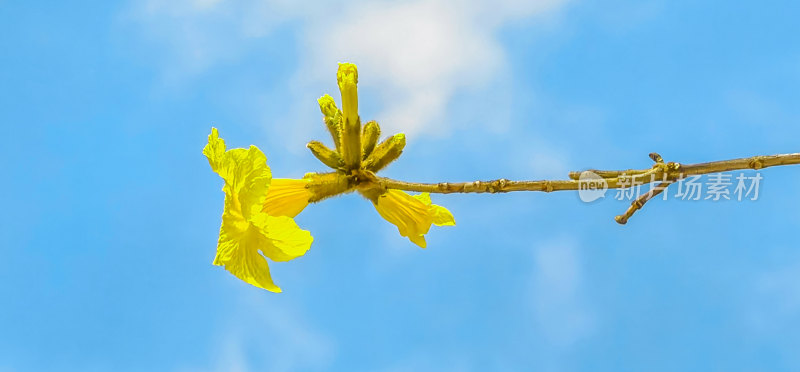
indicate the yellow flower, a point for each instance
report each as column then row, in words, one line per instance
column 257, row 222
column 358, row 156
column 246, row 229
column 413, row 215
column 287, row 197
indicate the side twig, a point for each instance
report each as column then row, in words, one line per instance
column 640, row 201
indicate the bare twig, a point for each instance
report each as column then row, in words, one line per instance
column 640, row 201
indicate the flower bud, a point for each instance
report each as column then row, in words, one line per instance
column 369, row 138
column 332, row 118
column 327, row 105
column 347, row 77
column 388, row 151
column 325, row 155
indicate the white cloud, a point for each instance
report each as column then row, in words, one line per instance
column 418, row 54
column 415, row 54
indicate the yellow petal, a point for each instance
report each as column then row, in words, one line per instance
column 284, row 240
column 441, row 216
column 278, row 238
column 287, row 197
column 238, row 252
column 413, row 215
column 247, row 178
column 215, row 149
column 246, row 229
column 418, row 240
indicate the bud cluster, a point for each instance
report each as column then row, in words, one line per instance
column 356, row 148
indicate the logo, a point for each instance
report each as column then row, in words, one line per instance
column 591, row 186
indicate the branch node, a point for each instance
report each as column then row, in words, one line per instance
column 501, row 184
column 756, row 163
column 497, row 185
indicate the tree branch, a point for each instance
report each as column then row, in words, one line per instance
column 667, row 173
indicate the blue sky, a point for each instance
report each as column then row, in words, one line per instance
column 112, row 213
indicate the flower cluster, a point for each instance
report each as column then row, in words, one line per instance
column 259, row 210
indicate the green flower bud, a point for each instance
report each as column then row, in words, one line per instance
column 369, row 138
column 327, row 105
column 350, row 142
column 325, row 155
column 388, row 151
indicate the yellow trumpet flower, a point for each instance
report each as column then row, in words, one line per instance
column 257, row 222
column 246, row 229
column 413, row 215
column 287, row 197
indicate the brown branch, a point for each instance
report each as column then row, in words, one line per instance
column 661, row 171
